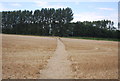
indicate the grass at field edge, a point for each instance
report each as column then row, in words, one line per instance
column 88, row 38
column 94, row 38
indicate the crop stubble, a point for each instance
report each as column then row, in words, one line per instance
column 93, row 59
column 24, row 56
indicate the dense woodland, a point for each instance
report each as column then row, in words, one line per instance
column 54, row 22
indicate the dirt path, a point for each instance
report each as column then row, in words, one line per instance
column 58, row 66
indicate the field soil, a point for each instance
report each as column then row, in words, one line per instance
column 34, row 57
column 58, row 66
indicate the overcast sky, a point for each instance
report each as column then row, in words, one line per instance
column 83, row 11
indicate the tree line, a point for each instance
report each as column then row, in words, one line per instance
column 103, row 29
column 54, row 22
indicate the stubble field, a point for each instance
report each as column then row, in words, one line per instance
column 24, row 57
column 93, row 59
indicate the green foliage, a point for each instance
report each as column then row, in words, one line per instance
column 55, row 22
column 103, row 29
column 40, row 22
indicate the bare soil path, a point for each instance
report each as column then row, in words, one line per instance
column 58, row 66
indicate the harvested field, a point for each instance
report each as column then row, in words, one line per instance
column 93, row 59
column 35, row 57
column 24, row 56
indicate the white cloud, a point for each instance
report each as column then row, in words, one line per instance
column 16, row 5
column 60, row 0
column 44, row 4
column 89, row 16
column 41, row 3
column 3, row 8
column 109, row 9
